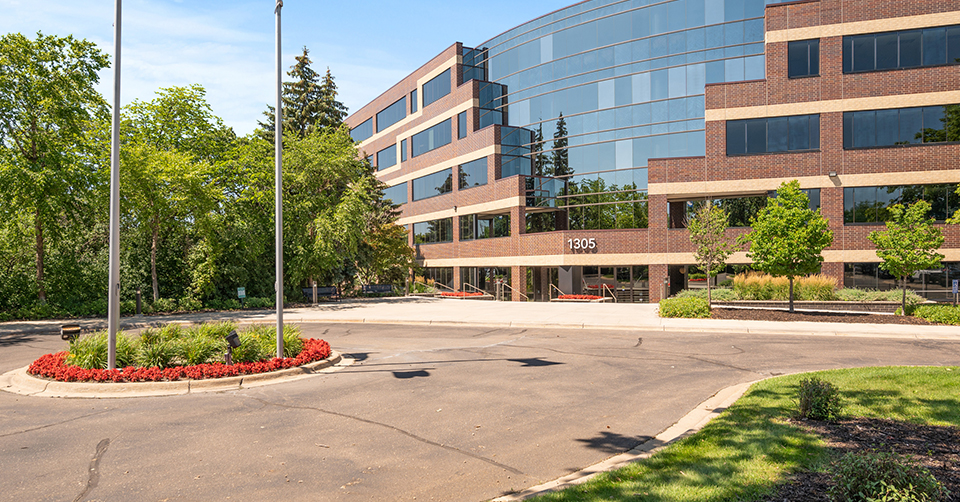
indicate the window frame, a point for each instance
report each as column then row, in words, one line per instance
column 809, row 44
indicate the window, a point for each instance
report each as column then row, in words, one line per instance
column 902, row 126
column 362, row 131
column 413, row 101
column 462, row 125
column 396, row 193
column 872, row 204
column 433, row 231
column 473, row 174
column 387, row 157
column 403, row 150
column 803, row 58
column 436, row 88
column 432, row 185
column 773, row 135
column 392, row 114
column 433, row 138
column 477, row 226
column 899, row 49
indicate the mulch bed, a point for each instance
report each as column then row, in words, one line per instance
column 936, row 448
column 783, row 315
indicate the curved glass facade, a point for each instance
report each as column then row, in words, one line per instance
column 626, row 76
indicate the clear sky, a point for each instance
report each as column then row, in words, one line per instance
column 228, row 46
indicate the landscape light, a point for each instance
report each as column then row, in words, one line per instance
column 233, row 341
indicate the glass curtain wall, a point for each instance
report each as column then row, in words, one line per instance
column 606, row 85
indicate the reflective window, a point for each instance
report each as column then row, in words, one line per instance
column 436, row 88
column 433, row 231
column 432, row 138
column 396, row 193
column 484, row 226
column 387, row 157
column 392, row 114
column 413, row 101
column 432, row 185
column 929, row 124
column 872, row 204
column 362, row 131
column 403, row 150
column 900, row 49
column 473, row 174
column 773, row 134
column 462, row 125
column 803, row 58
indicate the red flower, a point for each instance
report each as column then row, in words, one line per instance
column 55, row 366
column 580, row 297
column 459, row 294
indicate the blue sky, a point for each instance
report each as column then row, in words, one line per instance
column 227, row 46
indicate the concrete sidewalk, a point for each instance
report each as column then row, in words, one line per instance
column 434, row 311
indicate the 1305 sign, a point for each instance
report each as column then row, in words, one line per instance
column 582, row 244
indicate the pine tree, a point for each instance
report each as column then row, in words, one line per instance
column 559, row 157
column 309, row 103
column 541, row 163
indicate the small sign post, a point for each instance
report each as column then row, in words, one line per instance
column 956, row 283
column 241, row 294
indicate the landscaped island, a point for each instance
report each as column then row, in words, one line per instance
column 174, row 353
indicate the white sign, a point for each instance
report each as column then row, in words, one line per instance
column 956, row 282
column 580, row 244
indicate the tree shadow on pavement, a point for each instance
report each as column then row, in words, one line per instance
column 610, row 442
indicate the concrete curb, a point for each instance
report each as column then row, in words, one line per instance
column 19, row 382
column 689, row 424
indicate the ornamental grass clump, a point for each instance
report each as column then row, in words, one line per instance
column 818, row 399
column 696, row 308
column 761, row 286
column 880, row 476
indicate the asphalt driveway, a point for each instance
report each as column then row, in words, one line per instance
column 425, row 413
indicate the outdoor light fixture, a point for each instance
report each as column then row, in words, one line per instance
column 233, row 341
column 833, row 174
column 69, row 331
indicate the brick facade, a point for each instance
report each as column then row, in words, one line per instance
column 829, row 168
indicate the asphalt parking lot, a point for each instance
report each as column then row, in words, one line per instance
column 424, row 413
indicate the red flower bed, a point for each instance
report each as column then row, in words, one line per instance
column 54, row 366
column 580, row 297
column 459, row 294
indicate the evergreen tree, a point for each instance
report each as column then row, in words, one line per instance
column 309, row 103
column 559, row 156
column 541, row 163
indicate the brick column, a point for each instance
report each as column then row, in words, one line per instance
column 457, row 282
column 518, row 281
column 658, row 272
column 835, row 270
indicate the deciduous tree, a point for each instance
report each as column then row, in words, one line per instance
column 909, row 243
column 48, row 103
column 788, row 237
column 708, row 233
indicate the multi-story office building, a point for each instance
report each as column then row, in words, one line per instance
column 565, row 154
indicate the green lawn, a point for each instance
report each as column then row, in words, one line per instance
column 746, row 451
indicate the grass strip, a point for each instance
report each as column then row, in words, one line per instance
column 749, row 449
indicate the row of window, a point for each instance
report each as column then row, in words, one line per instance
column 433, row 90
column 865, row 129
column 903, row 126
column 773, row 134
column 872, row 204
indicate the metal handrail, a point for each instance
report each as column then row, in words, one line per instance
column 511, row 289
column 604, row 288
column 560, row 291
column 474, row 287
column 435, row 285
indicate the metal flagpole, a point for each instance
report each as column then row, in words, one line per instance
column 278, row 147
column 113, row 295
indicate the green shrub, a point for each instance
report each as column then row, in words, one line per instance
column 875, row 476
column 259, row 303
column 818, row 399
column 165, row 305
column 89, row 352
column 874, row 295
column 201, row 350
column 719, row 294
column 684, row 307
column 944, row 314
column 128, row 307
column 188, row 304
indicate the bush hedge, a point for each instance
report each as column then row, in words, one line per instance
column 696, row 308
column 944, row 314
column 874, row 475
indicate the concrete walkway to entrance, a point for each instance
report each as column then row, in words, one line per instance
column 434, row 311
